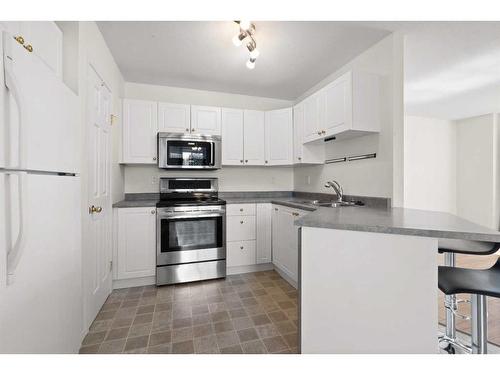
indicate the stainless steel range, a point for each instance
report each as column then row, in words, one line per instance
column 191, row 231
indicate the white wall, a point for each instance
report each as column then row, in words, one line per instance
column 144, row 179
column 477, row 170
column 430, row 164
column 372, row 177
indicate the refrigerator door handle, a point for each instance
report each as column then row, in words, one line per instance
column 15, row 253
column 10, row 83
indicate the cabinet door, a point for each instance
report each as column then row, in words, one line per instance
column 240, row 253
column 279, row 135
column 46, row 40
column 254, row 134
column 278, row 236
column 139, row 131
column 232, row 137
column 298, row 132
column 337, row 105
column 263, row 232
column 136, row 251
column 240, row 228
column 174, row 118
column 311, row 118
column 205, row 120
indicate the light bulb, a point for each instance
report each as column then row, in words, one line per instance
column 237, row 41
column 251, row 64
column 254, row 53
column 245, row 25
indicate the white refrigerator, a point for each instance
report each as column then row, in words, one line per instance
column 40, row 223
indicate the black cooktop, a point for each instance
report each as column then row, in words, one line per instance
column 190, row 202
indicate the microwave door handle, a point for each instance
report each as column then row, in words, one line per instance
column 212, row 162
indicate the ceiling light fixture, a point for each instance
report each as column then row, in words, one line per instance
column 247, row 31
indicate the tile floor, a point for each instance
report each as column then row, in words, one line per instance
column 247, row 313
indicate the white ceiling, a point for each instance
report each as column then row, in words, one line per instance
column 452, row 69
column 200, row 55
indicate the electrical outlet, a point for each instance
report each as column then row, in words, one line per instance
column 154, row 180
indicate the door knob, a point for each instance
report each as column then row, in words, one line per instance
column 95, row 210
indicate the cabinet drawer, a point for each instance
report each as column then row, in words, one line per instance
column 240, row 209
column 240, row 228
column 240, row 253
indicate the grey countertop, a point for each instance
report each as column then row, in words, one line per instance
column 398, row 221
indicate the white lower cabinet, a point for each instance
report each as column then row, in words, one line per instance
column 135, row 254
column 240, row 253
column 285, row 241
column 248, row 234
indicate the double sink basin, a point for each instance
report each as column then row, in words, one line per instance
column 319, row 203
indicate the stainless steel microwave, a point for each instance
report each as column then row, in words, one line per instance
column 187, row 151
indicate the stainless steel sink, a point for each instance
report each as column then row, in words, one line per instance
column 318, row 203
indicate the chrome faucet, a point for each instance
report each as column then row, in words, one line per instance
column 337, row 188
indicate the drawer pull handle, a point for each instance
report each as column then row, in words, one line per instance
column 241, row 222
column 241, row 247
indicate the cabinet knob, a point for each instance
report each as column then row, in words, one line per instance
column 19, row 39
column 246, row 161
column 193, row 130
column 241, row 222
column 29, row 48
column 241, row 209
column 275, row 209
column 154, row 158
column 323, row 132
column 241, row 247
column 319, row 133
column 265, row 162
column 187, row 129
column 153, row 212
column 241, row 161
column 299, row 158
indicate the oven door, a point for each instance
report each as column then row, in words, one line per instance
column 179, row 153
column 187, row 237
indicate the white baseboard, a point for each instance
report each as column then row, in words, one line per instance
column 250, row 268
column 130, row 283
column 286, row 277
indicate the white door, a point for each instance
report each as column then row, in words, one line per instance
column 205, row 120
column 174, row 118
column 97, row 240
column 298, row 130
column 140, row 125
column 136, row 256
column 279, row 134
column 232, row 137
column 254, row 134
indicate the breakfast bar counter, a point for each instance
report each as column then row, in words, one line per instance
column 368, row 278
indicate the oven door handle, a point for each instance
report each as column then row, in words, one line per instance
column 212, row 156
column 189, row 215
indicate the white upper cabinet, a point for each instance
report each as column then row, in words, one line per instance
column 140, row 127
column 205, row 120
column 348, row 107
column 232, row 136
column 45, row 39
column 174, row 118
column 254, row 134
column 304, row 153
column 279, row 137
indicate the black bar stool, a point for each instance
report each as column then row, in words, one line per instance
column 454, row 280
